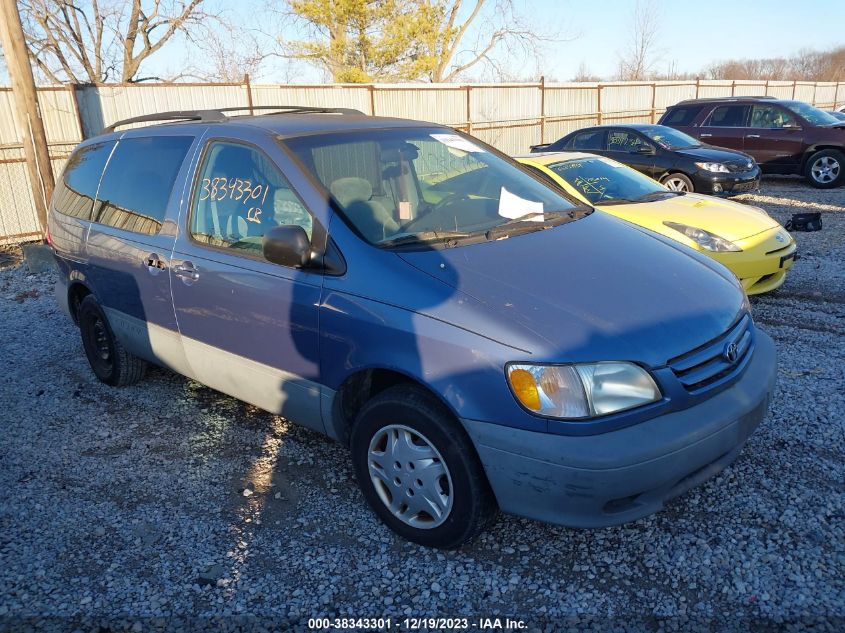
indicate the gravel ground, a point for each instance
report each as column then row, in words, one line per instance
column 126, row 507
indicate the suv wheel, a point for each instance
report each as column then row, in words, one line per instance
column 111, row 363
column 826, row 169
column 419, row 471
column 677, row 182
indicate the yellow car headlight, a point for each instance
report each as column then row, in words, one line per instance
column 581, row 391
column 705, row 239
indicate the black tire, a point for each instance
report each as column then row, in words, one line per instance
column 473, row 506
column 109, row 360
column 816, row 173
column 679, row 177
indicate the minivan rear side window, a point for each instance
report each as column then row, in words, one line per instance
column 728, row 116
column 138, row 180
column 682, row 116
column 75, row 192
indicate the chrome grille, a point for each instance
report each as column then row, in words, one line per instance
column 717, row 359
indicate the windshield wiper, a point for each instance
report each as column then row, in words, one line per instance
column 424, row 237
column 524, row 223
column 655, row 194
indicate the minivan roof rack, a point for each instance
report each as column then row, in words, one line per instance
column 740, row 98
column 216, row 115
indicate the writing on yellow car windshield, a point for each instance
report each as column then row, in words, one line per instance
column 592, row 187
column 239, row 190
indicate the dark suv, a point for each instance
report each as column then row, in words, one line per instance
column 783, row 136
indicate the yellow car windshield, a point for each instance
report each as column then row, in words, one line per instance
column 603, row 182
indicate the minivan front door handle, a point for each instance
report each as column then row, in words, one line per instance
column 705, row 135
column 186, row 272
column 752, row 136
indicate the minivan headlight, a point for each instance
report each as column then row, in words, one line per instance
column 705, row 239
column 715, row 167
column 581, row 391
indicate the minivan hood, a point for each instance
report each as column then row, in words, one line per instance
column 713, row 154
column 594, row 289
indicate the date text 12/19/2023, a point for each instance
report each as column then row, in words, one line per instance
column 418, row 624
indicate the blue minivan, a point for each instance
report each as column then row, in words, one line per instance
column 478, row 340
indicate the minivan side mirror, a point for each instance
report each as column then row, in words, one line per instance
column 287, row 245
column 645, row 149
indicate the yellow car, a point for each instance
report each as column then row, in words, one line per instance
column 754, row 246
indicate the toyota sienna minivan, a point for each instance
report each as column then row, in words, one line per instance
column 478, row 340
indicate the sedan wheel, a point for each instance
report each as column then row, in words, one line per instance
column 677, row 182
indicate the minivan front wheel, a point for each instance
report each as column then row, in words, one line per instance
column 419, row 471
column 109, row 360
column 826, row 169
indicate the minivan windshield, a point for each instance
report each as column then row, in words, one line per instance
column 603, row 182
column 811, row 114
column 670, row 138
column 412, row 185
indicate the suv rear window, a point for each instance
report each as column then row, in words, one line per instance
column 138, row 180
column 681, row 116
column 77, row 189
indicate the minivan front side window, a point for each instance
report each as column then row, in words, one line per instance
column 771, row 117
column 77, row 189
column 139, row 176
column 421, row 185
column 240, row 194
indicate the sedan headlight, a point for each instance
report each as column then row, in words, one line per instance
column 716, row 167
column 583, row 390
column 705, row 239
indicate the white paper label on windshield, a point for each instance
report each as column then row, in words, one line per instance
column 457, row 142
column 512, row 206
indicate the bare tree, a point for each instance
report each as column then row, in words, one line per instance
column 584, row 74
column 637, row 62
column 96, row 41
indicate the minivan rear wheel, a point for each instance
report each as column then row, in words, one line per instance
column 825, row 169
column 677, row 182
column 109, row 360
column 419, row 471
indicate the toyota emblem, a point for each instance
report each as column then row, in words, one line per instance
column 731, row 352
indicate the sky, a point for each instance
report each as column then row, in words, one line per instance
column 692, row 35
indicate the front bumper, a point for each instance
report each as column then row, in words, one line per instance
column 726, row 184
column 762, row 264
column 616, row 477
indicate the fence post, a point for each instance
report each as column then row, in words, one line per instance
column 598, row 103
column 697, row 86
column 815, row 86
column 766, row 89
column 794, row 84
column 653, row 101
column 72, row 89
column 836, row 96
column 469, row 109
column 543, row 109
column 733, row 87
column 372, row 90
column 248, row 94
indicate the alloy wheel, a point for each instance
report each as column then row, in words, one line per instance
column 410, row 476
column 825, row 169
column 676, row 184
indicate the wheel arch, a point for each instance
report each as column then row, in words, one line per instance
column 76, row 292
column 818, row 148
column 360, row 387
